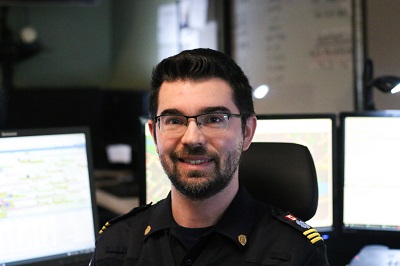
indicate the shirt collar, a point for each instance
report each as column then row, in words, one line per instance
column 236, row 223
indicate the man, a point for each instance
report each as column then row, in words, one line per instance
column 202, row 119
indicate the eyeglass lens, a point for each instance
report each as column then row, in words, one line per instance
column 208, row 123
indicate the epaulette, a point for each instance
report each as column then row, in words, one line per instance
column 124, row 216
column 312, row 234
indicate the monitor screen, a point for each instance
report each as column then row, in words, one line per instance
column 318, row 133
column 157, row 184
column 371, row 170
column 47, row 209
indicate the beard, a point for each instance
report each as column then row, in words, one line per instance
column 200, row 185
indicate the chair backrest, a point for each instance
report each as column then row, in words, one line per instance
column 283, row 175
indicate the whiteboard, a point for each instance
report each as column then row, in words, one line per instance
column 302, row 49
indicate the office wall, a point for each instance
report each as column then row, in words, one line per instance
column 113, row 45
column 76, row 44
column 383, row 42
column 134, row 42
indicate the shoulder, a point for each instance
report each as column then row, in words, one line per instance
column 125, row 221
column 279, row 232
column 119, row 233
column 298, row 225
column 287, row 227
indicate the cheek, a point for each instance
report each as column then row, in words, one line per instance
column 165, row 146
column 227, row 145
column 234, row 138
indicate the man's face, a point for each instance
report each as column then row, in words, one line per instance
column 198, row 164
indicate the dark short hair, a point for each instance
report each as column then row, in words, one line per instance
column 200, row 64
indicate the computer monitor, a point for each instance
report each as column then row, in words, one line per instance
column 318, row 133
column 371, row 171
column 47, row 208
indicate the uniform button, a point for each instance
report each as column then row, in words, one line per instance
column 189, row 262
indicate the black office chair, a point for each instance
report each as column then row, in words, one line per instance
column 283, row 175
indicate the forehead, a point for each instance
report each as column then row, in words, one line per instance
column 190, row 97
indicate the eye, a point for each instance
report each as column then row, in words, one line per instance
column 212, row 119
column 174, row 120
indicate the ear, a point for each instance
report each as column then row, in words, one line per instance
column 152, row 128
column 251, row 124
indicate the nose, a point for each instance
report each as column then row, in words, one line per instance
column 193, row 134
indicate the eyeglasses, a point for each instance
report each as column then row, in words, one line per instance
column 210, row 123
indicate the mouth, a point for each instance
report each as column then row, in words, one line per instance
column 195, row 162
column 194, row 159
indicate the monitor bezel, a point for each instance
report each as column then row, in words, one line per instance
column 142, row 161
column 43, row 3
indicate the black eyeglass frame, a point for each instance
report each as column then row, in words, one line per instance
column 229, row 115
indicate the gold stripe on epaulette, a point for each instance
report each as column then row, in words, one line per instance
column 316, row 240
column 312, row 230
column 313, row 235
column 104, row 227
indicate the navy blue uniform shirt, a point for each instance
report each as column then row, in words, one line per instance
column 249, row 233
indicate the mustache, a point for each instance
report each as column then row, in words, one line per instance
column 188, row 151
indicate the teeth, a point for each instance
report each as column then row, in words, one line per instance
column 195, row 161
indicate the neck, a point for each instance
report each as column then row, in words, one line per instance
column 202, row 213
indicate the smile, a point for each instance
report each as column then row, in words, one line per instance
column 196, row 161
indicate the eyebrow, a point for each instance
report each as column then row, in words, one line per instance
column 221, row 109
column 213, row 109
column 171, row 112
